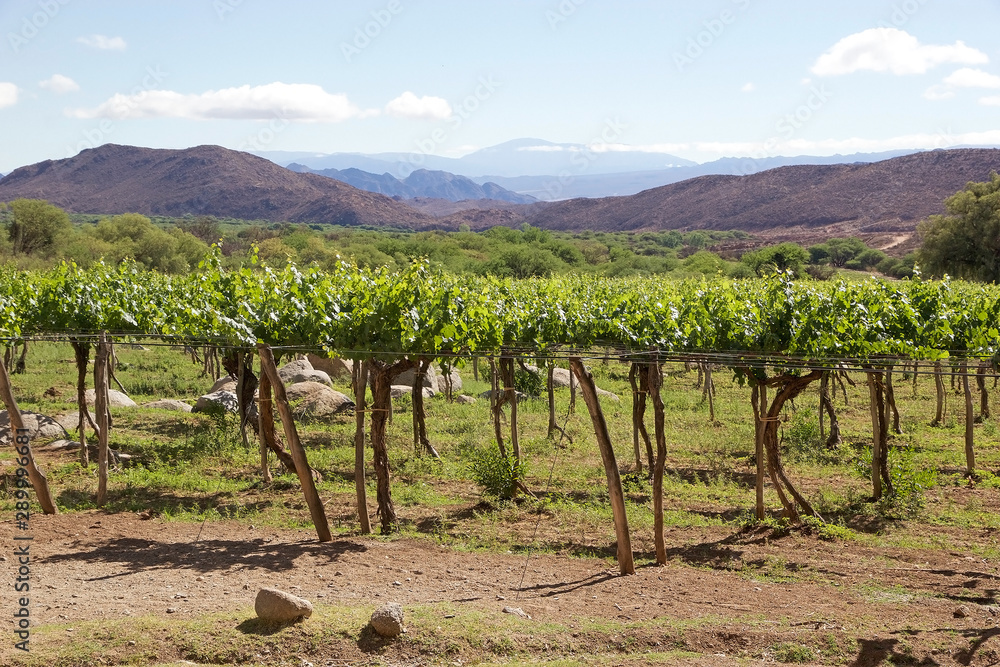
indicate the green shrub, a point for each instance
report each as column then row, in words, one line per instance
column 497, row 474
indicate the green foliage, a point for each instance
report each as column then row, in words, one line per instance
column 790, row 652
column 782, row 257
column 909, row 481
column 966, row 241
column 133, row 236
column 35, row 225
column 497, row 474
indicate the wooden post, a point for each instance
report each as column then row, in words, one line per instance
column 103, row 420
column 759, row 400
column 298, row 453
column 970, row 418
column 35, row 474
column 360, row 388
column 876, row 437
column 265, row 425
column 655, row 375
column 626, row 564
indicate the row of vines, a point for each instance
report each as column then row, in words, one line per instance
column 777, row 336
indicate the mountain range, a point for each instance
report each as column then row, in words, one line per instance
column 889, row 196
column 421, row 183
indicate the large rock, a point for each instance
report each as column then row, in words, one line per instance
column 387, row 620
column 518, row 395
column 410, row 376
column 217, row 401
column 335, row 368
column 560, row 376
column 281, row 607
column 71, row 420
column 309, row 376
column 40, row 427
column 601, row 393
column 465, row 400
column 224, row 383
column 169, row 404
column 318, row 400
column 456, row 381
column 116, row 399
column 400, row 390
column 288, row 371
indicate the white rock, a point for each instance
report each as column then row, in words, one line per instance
column 279, row 606
column 387, row 620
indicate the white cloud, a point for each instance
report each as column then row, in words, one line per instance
column 103, row 42
column 288, row 101
column 939, row 92
column 991, row 101
column 8, row 94
column 891, row 50
column 408, row 105
column 748, row 87
column 968, row 77
column 57, row 83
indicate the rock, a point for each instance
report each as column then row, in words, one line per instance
column 116, row 399
column 962, row 612
column 71, row 420
column 606, row 394
column 60, row 445
column 520, row 396
column 169, row 404
column 289, row 370
column 216, row 401
column 224, row 383
column 456, row 381
column 399, row 390
column 335, row 368
column 279, row 606
column 40, row 427
column 560, row 378
column 516, row 611
column 409, row 377
column 318, row 400
column 387, row 620
column 309, row 376
column 465, row 400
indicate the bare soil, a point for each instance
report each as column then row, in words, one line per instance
column 734, row 597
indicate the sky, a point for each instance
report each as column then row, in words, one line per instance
column 699, row 80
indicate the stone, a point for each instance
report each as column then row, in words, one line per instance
column 387, row 620
column 456, row 381
column 520, row 396
column 216, row 401
column 516, row 611
column 409, row 377
column 168, row 404
column 400, row 390
column 40, row 427
column 116, row 399
column 601, row 393
column 465, row 400
column 335, row 368
column 962, row 612
column 224, row 383
column 560, row 376
column 71, row 420
column 60, row 445
column 288, row 371
column 278, row 606
column 318, row 400
column 309, row 376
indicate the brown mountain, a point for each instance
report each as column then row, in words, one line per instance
column 888, row 196
column 205, row 180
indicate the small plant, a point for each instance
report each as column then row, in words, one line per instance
column 793, row 653
column 827, row 531
column 909, row 481
column 498, row 475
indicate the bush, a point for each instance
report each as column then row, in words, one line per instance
column 497, row 474
column 909, row 481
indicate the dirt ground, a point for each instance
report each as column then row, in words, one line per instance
column 912, row 607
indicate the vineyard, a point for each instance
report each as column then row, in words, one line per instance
column 778, row 340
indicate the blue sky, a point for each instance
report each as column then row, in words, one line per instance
column 701, row 80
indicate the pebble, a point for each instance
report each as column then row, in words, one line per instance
column 199, row 578
column 171, row 610
column 962, row 612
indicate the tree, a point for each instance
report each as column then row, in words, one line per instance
column 782, row 257
column 966, row 242
column 34, row 225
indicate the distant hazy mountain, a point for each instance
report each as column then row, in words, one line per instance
column 205, row 180
column 421, row 183
column 520, row 157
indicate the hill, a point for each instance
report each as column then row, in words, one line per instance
column 887, row 196
column 421, row 183
column 205, row 180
